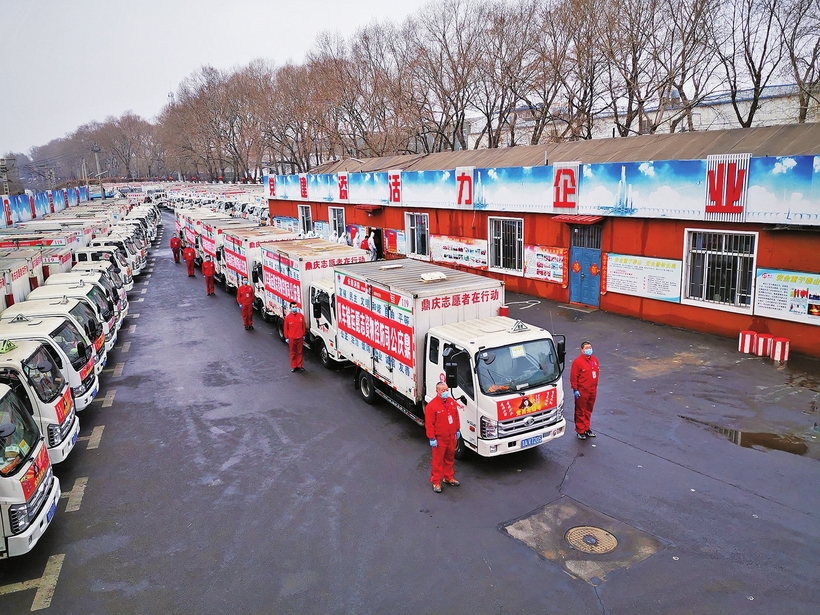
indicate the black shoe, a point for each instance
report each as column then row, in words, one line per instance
column 589, row 433
column 582, row 436
column 301, row 369
column 293, row 369
column 251, row 327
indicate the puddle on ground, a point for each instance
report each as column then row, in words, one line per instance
column 660, row 366
column 763, row 440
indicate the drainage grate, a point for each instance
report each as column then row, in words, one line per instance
column 590, row 539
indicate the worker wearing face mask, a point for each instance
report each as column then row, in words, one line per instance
column 443, row 430
column 295, row 330
column 583, row 378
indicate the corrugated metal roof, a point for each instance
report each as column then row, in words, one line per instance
column 404, row 277
column 314, row 248
column 787, row 140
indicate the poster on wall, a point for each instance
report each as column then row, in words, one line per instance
column 287, row 224
column 644, row 276
column 788, row 295
column 543, row 263
column 395, row 242
column 321, row 229
column 459, row 251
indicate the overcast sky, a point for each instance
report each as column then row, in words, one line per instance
column 66, row 63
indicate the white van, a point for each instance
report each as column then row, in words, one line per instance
column 101, row 281
column 107, row 254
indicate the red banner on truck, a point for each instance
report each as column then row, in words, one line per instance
column 391, row 337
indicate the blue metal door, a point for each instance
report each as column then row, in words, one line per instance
column 585, row 276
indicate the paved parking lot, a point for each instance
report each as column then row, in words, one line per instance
column 213, row 479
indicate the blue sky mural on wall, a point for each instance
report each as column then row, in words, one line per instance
column 514, row 189
column 663, row 189
column 784, row 189
column 320, row 187
column 428, row 188
column 368, row 188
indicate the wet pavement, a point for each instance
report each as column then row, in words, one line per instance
column 223, row 482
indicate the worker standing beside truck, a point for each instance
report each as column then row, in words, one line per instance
column 295, row 330
column 583, row 378
column 443, row 430
column 176, row 245
column 209, row 270
column 189, row 254
column 244, row 297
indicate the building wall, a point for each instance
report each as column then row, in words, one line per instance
column 658, row 238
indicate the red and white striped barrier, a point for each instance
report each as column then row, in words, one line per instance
column 780, row 349
column 747, row 341
column 763, row 346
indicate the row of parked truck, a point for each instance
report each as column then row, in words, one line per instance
column 403, row 325
column 63, row 297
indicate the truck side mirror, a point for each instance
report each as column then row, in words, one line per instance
column 7, row 429
column 81, row 349
column 561, row 348
column 450, row 373
column 254, row 276
column 317, row 310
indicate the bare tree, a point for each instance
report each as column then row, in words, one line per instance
column 746, row 42
column 799, row 22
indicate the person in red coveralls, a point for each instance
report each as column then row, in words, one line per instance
column 443, row 431
column 244, row 297
column 295, row 330
column 188, row 255
column 208, row 270
column 583, row 378
column 176, row 246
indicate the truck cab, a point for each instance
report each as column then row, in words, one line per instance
column 28, row 370
column 68, row 348
column 78, row 311
column 29, row 491
column 107, row 254
column 98, row 280
column 506, row 376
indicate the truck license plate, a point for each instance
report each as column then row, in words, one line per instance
column 532, row 441
column 51, row 510
column 74, row 438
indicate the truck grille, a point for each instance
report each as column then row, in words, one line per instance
column 523, row 424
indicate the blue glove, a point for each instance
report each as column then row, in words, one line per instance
column 577, row 393
column 458, row 434
column 434, row 443
column 287, row 341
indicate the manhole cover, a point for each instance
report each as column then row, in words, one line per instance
column 590, row 539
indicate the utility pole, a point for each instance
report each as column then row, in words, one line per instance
column 96, row 150
column 4, row 174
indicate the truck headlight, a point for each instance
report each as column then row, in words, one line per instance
column 560, row 413
column 54, row 435
column 19, row 518
column 489, row 428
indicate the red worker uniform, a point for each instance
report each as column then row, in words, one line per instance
column 441, row 423
column 583, row 377
column 208, row 270
column 295, row 330
column 189, row 254
column 244, row 297
column 176, row 245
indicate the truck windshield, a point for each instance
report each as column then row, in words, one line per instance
column 16, row 448
column 67, row 336
column 45, row 378
column 86, row 317
column 518, row 367
column 109, row 287
column 103, row 305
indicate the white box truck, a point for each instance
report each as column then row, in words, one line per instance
column 211, row 240
column 242, row 250
column 407, row 325
column 286, row 273
column 29, row 491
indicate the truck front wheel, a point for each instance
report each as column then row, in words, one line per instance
column 366, row 388
column 280, row 328
column 461, row 449
column 324, row 355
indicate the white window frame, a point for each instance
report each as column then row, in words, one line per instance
column 305, row 220
column 713, row 305
column 491, row 244
column 330, row 214
column 410, row 236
